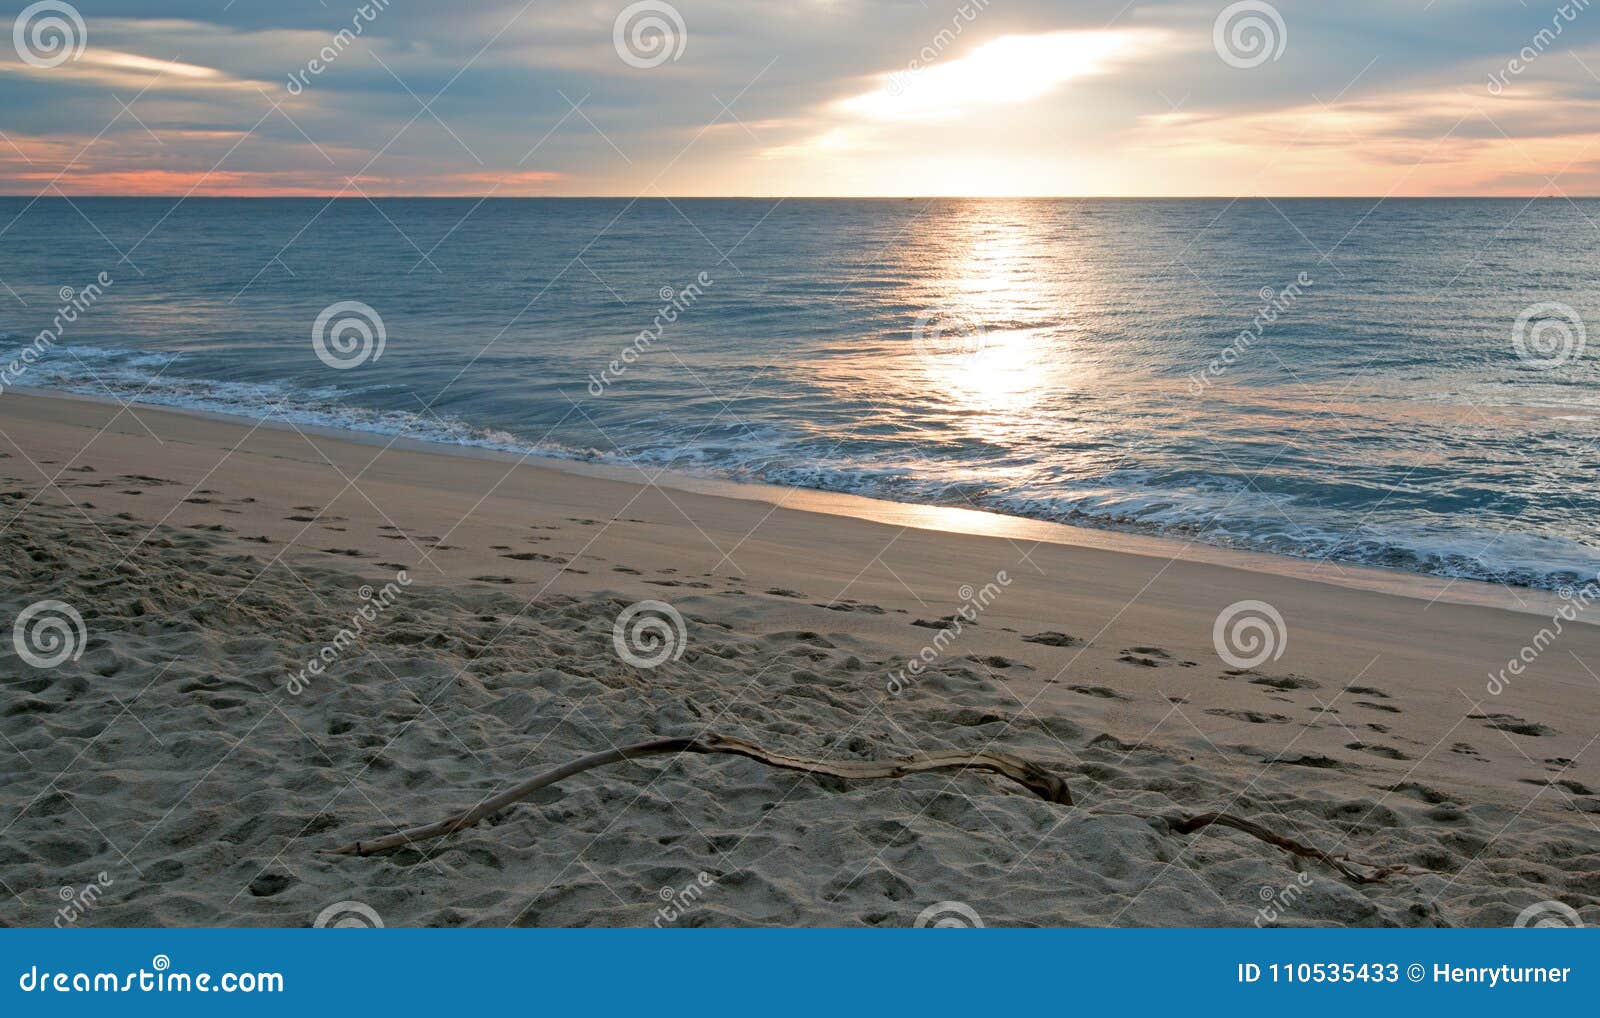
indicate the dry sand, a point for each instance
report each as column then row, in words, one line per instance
column 171, row 765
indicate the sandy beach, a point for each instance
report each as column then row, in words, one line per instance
column 189, row 763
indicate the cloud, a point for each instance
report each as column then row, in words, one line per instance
column 805, row 97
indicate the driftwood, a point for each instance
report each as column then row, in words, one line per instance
column 1031, row 776
column 1344, row 864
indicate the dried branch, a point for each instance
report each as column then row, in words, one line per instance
column 1190, row 824
column 1032, row 777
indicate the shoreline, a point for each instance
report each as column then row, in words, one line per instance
column 938, row 519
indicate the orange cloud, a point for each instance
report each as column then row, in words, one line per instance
column 1416, row 143
column 270, row 183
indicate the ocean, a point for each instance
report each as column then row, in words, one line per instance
column 1400, row 383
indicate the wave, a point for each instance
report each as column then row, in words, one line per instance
column 1215, row 509
column 136, row 376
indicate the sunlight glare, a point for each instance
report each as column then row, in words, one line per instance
column 1010, row 69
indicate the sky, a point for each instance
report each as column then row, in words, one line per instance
column 800, row 97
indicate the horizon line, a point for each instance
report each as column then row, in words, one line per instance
column 337, row 196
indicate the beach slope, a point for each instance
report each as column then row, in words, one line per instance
column 291, row 640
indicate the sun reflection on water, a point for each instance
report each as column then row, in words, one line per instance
column 991, row 281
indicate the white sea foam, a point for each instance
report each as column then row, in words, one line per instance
column 1215, row 509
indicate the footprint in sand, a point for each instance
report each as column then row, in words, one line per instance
column 996, row 661
column 942, row 622
column 534, row 556
column 1152, row 657
column 269, row 884
column 1316, row 760
column 1369, row 705
column 1251, row 716
column 1387, row 752
column 1513, row 724
column 1431, row 796
column 1053, row 638
column 1285, row 682
column 852, row 606
column 1103, row 692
